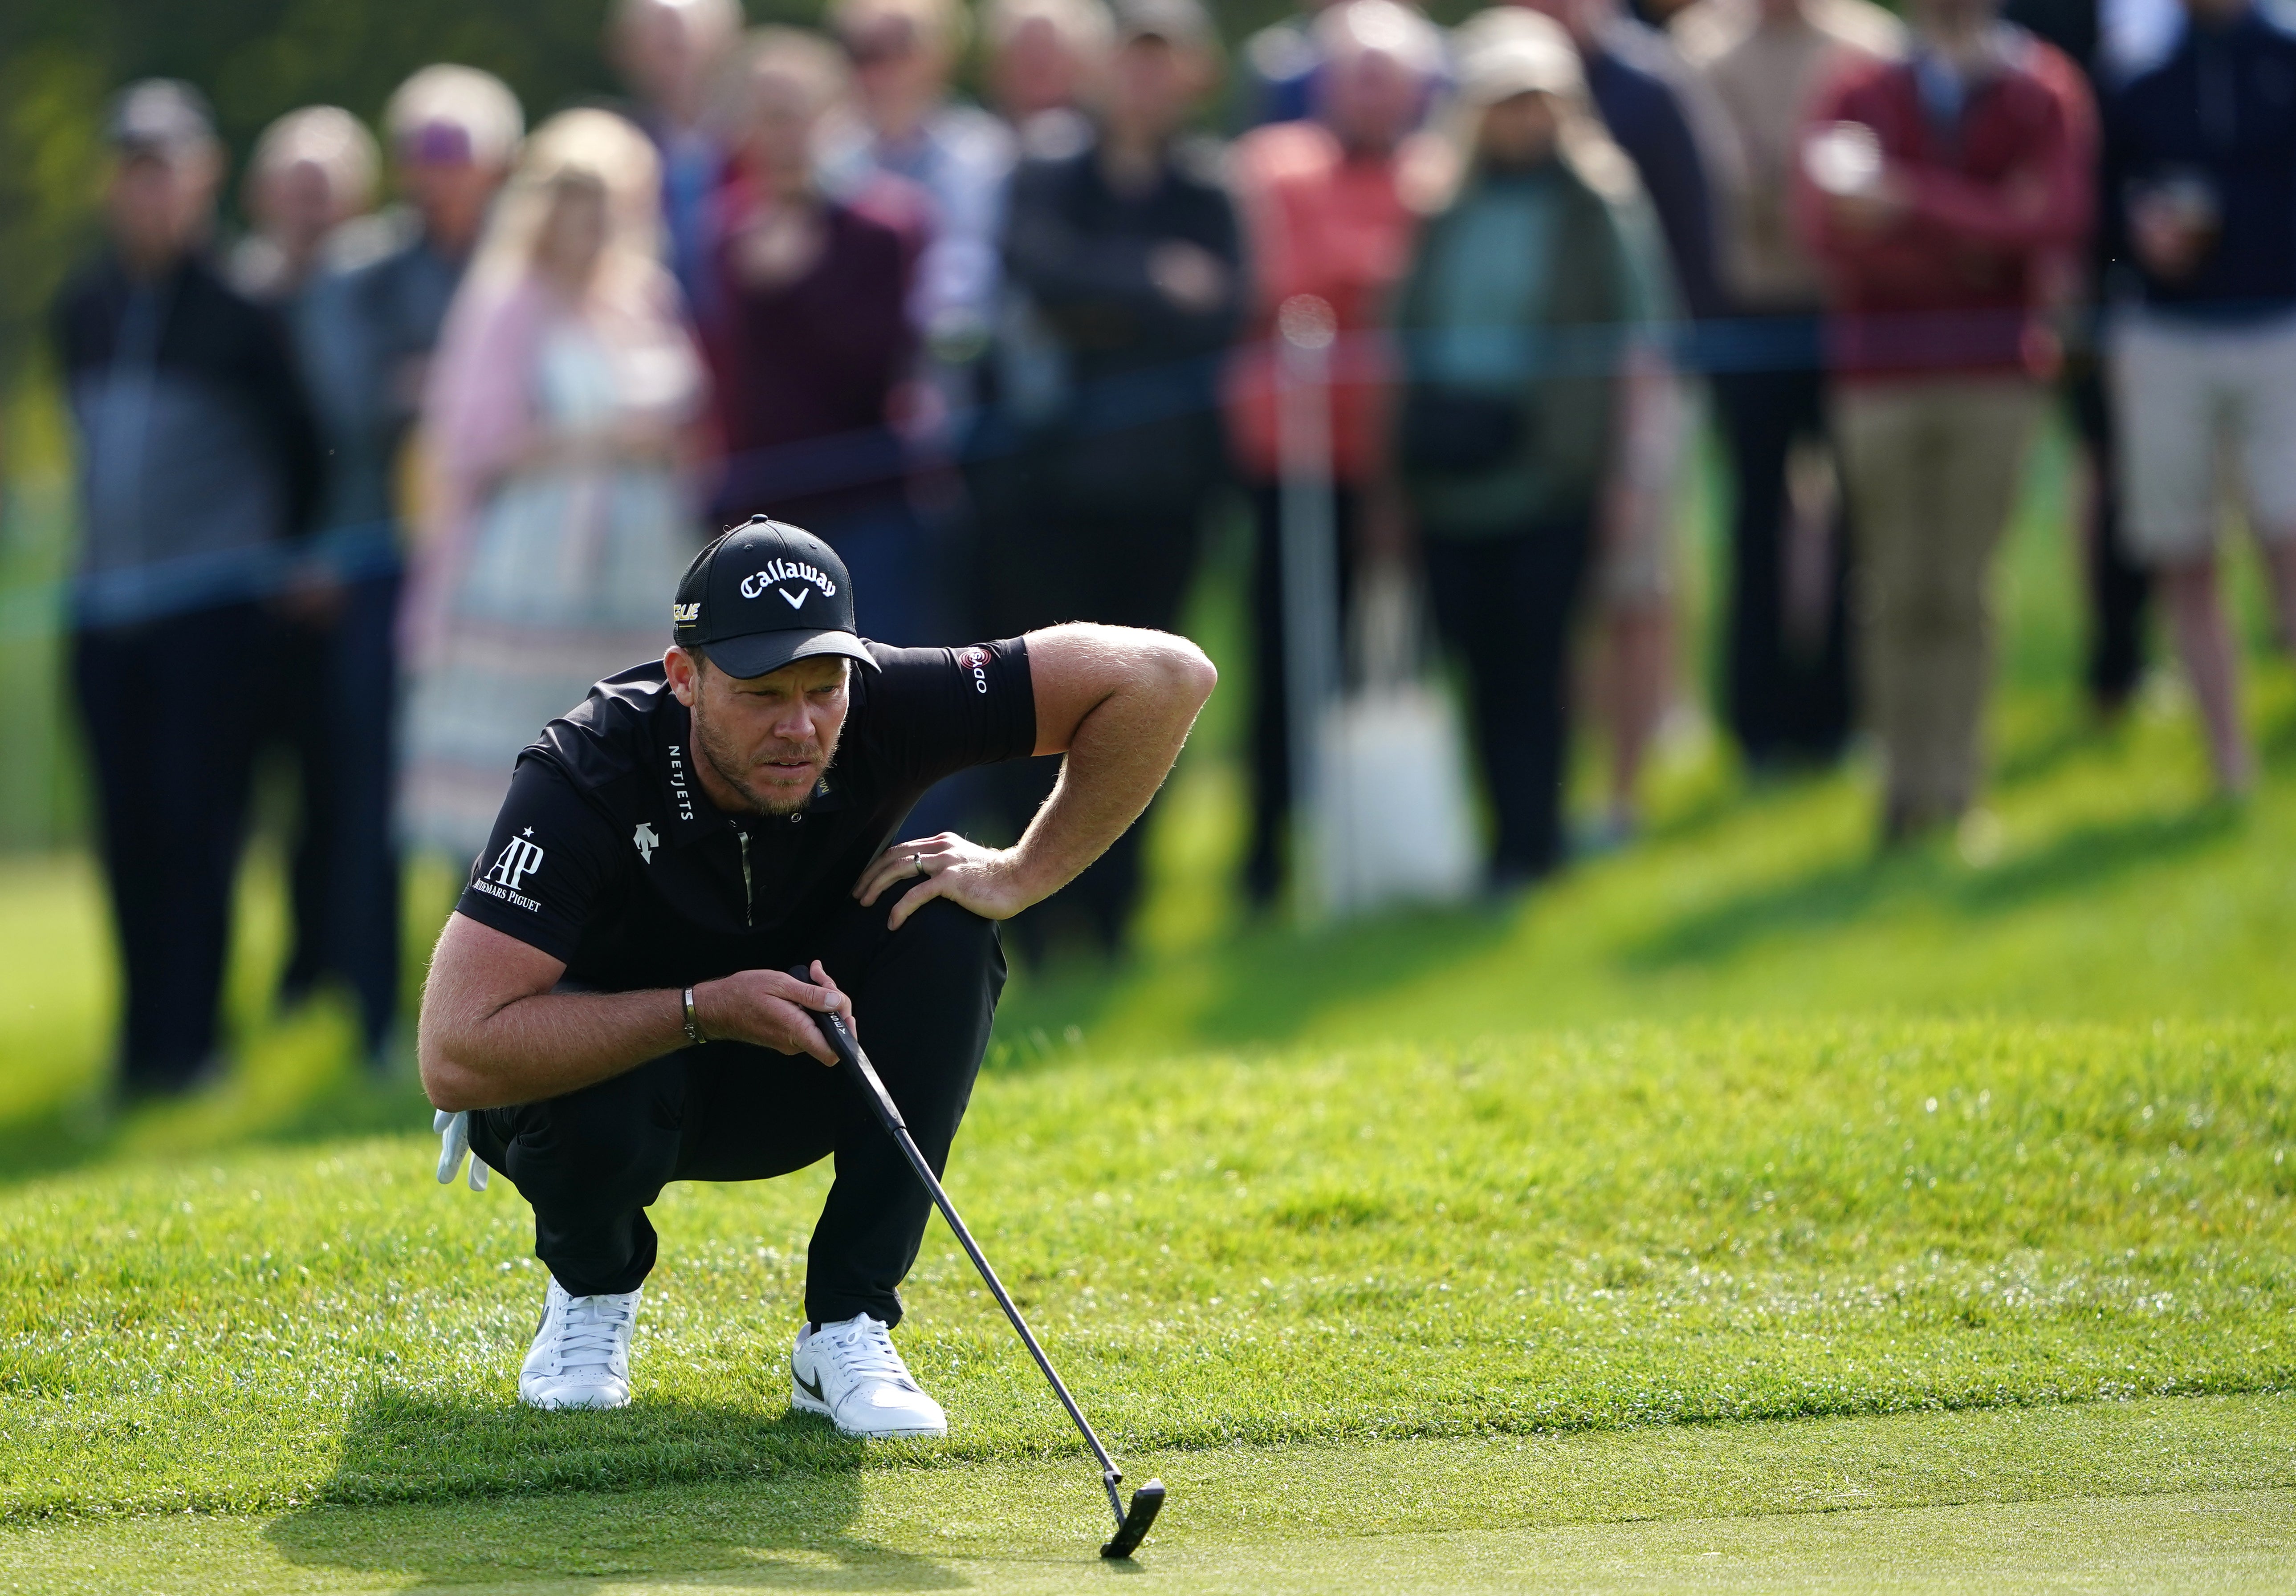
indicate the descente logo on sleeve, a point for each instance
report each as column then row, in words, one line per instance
column 778, row 572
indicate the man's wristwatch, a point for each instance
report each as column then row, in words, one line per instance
column 694, row 1036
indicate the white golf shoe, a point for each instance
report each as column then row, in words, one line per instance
column 581, row 1353
column 848, row 1373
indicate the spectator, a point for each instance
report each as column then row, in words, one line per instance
column 313, row 171
column 1043, row 55
column 1944, row 193
column 903, row 124
column 1280, row 65
column 1515, row 319
column 2096, row 36
column 1662, row 117
column 366, row 324
column 198, row 462
column 556, row 413
column 814, row 342
column 1127, row 254
column 1786, row 670
column 1326, row 214
column 2201, row 176
column 669, row 51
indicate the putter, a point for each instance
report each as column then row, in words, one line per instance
column 1131, row 1524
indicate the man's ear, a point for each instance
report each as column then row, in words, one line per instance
column 685, row 674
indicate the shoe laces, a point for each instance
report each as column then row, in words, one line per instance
column 593, row 1330
column 864, row 1350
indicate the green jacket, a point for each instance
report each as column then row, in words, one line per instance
column 1526, row 285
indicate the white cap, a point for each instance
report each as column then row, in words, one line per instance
column 1512, row 51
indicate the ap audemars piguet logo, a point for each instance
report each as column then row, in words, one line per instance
column 520, row 857
column 519, row 860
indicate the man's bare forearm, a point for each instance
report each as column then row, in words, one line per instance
column 1118, row 756
column 494, row 1032
column 549, row 1044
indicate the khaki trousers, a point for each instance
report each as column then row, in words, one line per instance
column 1933, row 470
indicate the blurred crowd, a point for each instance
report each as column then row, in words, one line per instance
column 387, row 488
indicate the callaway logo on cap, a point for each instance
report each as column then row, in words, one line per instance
column 763, row 594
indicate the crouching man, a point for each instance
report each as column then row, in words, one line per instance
column 608, row 1004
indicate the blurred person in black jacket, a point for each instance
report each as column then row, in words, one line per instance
column 1104, row 447
column 365, row 323
column 313, row 171
column 2200, row 219
column 2117, row 588
column 198, row 464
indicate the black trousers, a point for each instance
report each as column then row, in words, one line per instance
column 173, row 709
column 593, row 1161
column 1783, row 697
column 1271, row 717
column 2120, row 589
column 338, row 692
column 1504, row 606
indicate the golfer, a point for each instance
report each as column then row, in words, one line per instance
column 608, row 1002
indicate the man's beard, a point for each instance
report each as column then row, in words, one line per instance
column 733, row 770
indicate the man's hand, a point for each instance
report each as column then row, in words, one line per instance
column 2170, row 238
column 769, row 1009
column 1868, row 211
column 1192, row 277
column 982, row 880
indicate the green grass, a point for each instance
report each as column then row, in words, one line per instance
column 1975, row 1501
column 1629, row 1226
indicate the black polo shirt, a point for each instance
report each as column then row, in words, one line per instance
column 608, row 855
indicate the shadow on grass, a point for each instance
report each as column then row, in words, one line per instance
column 452, row 1494
column 2036, row 757
column 1834, row 897
column 236, row 1112
column 1265, row 985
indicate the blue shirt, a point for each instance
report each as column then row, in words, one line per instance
column 363, row 329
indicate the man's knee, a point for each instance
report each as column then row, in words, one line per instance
column 941, row 930
column 943, row 946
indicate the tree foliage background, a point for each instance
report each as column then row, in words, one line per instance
column 60, row 60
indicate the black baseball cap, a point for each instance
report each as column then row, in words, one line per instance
column 764, row 594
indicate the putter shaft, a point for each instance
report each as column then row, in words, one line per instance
column 1149, row 1497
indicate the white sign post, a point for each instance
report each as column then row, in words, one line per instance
column 1305, row 330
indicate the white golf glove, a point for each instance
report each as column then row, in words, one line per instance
column 453, row 1142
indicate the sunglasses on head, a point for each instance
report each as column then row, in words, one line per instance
column 436, row 144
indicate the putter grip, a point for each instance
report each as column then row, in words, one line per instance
column 841, row 1042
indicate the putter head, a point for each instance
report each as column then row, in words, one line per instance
column 1147, row 1502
